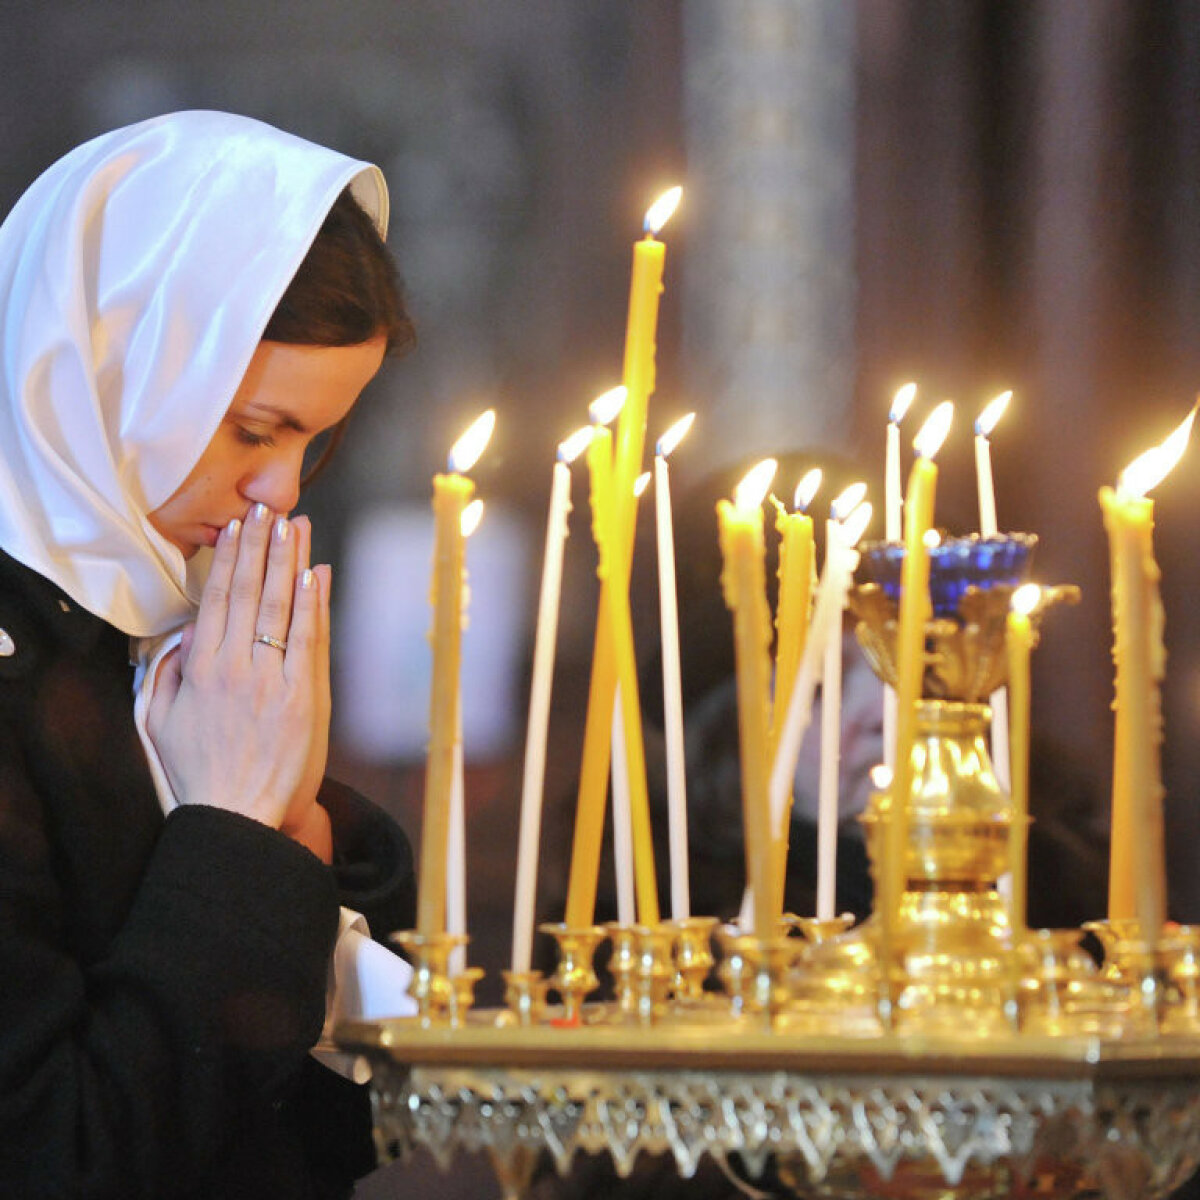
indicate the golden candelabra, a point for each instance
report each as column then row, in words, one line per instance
column 952, row 1054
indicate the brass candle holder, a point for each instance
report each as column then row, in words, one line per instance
column 623, row 967
column 430, row 987
column 575, row 979
column 693, row 957
column 524, row 997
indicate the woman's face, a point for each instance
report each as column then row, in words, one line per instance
column 288, row 396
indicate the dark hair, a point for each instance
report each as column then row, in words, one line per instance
column 346, row 290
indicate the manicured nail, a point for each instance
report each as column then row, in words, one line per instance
column 281, row 529
column 260, row 513
column 233, row 529
column 308, row 580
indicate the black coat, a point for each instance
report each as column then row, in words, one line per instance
column 161, row 980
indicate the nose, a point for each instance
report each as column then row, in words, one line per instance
column 275, row 482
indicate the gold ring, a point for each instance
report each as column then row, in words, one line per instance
column 274, row 642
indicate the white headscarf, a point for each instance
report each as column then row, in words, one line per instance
column 136, row 277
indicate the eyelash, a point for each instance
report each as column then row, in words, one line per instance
column 248, row 438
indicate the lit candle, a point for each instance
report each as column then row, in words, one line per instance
column 597, row 738
column 456, row 851
column 614, row 661
column 668, row 620
column 744, row 582
column 1019, row 642
column 1137, row 887
column 639, row 366
column 545, row 635
column 641, row 333
column 892, row 532
column 796, row 572
column 901, row 403
column 793, row 611
column 451, row 494
column 915, row 609
column 840, row 546
column 985, row 423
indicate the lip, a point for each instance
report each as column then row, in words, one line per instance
column 209, row 535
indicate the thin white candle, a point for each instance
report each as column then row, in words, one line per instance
column 668, row 613
column 831, row 705
column 836, row 573
column 985, row 423
column 622, row 821
column 893, row 498
column 893, row 501
column 546, row 634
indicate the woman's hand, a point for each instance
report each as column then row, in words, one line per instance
column 239, row 723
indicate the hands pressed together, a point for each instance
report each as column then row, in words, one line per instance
column 240, row 716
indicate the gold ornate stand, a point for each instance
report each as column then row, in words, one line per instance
column 966, row 1058
column 889, row 1116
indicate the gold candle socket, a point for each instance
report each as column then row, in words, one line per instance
column 575, row 978
column 462, row 995
column 654, row 971
column 524, row 996
column 693, row 957
column 623, row 967
column 430, row 986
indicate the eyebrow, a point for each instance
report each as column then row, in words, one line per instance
column 281, row 415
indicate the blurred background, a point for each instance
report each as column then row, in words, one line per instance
column 972, row 194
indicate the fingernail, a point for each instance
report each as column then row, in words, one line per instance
column 281, row 529
column 308, row 579
column 233, row 528
column 260, row 513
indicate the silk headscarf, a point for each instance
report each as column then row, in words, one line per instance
column 136, row 277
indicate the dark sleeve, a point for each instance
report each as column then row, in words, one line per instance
column 372, row 860
column 130, row 1076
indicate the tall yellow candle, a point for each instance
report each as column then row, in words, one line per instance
column 451, row 494
column 1020, row 638
column 597, row 738
column 792, row 613
column 744, row 581
column 641, row 330
column 1137, row 877
column 910, row 652
column 641, row 334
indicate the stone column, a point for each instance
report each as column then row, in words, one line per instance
column 769, row 272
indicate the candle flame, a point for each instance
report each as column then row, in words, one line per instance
column 674, row 435
column 847, row 501
column 641, row 483
column 933, row 433
column 755, row 484
column 464, row 454
column 569, row 449
column 900, row 402
column 1148, row 470
column 659, row 213
column 468, row 522
column 855, row 525
column 604, row 409
column 932, row 539
column 881, row 777
column 1026, row 598
column 806, row 489
column 992, row 412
